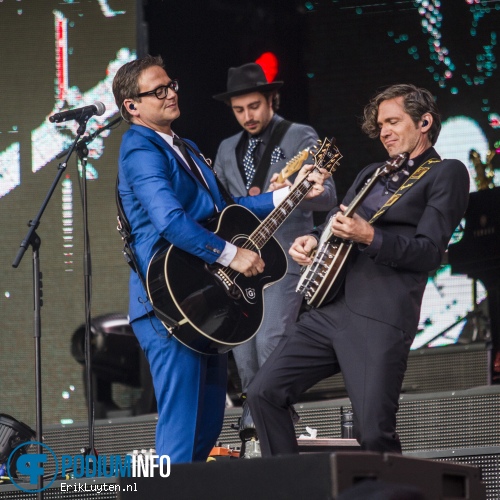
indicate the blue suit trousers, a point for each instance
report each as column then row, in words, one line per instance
column 190, row 390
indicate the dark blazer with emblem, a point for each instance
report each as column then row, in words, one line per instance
column 388, row 285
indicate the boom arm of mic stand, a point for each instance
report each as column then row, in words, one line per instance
column 91, row 137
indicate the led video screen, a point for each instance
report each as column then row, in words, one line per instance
column 447, row 46
column 57, row 55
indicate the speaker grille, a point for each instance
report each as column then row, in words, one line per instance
column 435, row 421
column 487, row 459
column 427, row 423
column 448, row 368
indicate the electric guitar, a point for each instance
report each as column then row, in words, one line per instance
column 294, row 165
column 321, row 280
column 213, row 308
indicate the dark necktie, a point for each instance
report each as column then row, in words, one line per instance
column 192, row 165
column 249, row 161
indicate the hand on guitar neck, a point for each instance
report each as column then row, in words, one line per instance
column 316, row 176
column 353, row 228
column 249, row 262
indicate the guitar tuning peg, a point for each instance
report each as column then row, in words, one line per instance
column 319, row 141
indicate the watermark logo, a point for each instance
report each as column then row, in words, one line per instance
column 36, row 465
column 32, row 465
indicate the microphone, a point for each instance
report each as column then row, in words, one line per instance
column 76, row 114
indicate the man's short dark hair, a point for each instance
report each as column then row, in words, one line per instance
column 416, row 102
column 126, row 80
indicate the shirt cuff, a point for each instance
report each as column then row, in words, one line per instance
column 227, row 255
column 280, row 194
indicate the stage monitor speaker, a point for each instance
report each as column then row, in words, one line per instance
column 315, row 477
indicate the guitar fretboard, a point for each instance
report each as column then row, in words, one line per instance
column 275, row 219
column 279, row 215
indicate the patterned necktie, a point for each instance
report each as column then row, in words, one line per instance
column 249, row 161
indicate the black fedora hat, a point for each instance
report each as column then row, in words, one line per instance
column 245, row 80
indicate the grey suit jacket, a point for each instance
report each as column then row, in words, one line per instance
column 300, row 222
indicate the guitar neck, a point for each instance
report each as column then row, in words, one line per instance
column 328, row 158
column 279, row 215
column 358, row 199
column 293, row 165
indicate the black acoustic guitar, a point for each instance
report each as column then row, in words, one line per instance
column 212, row 308
column 321, row 280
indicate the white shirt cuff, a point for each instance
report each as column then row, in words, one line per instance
column 280, row 194
column 227, row 255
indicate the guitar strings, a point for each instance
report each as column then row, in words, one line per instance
column 259, row 240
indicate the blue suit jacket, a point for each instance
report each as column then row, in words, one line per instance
column 165, row 203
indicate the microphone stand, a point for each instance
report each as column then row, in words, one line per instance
column 82, row 152
column 33, row 239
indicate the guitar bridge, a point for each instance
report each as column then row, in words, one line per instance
column 225, row 281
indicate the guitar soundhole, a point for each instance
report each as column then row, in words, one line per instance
column 243, row 242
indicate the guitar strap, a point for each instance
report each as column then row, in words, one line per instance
column 227, row 197
column 277, row 134
column 412, row 180
column 125, row 231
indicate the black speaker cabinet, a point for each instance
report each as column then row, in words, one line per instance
column 318, row 476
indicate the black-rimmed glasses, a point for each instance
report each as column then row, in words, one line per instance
column 162, row 91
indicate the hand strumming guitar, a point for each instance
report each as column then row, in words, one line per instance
column 302, row 248
column 247, row 262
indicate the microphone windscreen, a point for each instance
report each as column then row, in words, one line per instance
column 100, row 108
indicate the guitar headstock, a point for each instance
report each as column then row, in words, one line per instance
column 392, row 164
column 294, row 165
column 327, row 156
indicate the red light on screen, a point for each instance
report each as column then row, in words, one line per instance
column 269, row 63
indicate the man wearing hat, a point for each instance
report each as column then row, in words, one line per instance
column 247, row 164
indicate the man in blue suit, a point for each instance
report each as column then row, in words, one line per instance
column 166, row 197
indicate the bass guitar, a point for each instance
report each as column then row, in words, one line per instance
column 321, row 280
column 213, row 308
